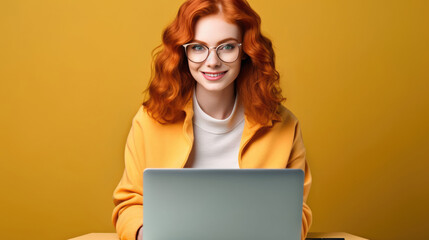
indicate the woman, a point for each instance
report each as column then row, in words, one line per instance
column 214, row 102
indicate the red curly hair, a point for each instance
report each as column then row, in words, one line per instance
column 172, row 84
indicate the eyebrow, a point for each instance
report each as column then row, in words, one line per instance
column 221, row 41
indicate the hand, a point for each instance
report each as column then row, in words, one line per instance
column 140, row 233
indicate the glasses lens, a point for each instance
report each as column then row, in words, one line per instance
column 228, row 52
column 196, row 52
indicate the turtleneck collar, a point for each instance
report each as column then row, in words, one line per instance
column 217, row 126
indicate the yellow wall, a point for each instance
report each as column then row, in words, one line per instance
column 355, row 73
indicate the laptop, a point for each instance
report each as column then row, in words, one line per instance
column 222, row 204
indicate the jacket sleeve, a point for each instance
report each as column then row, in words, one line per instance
column 298, row 160
column 128, row 196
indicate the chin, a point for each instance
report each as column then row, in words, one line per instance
column 214, row 87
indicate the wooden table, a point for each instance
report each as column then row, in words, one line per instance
column 113, row 236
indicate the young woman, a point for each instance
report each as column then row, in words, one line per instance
column 214, row 102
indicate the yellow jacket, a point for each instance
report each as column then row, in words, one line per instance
column 278, row 144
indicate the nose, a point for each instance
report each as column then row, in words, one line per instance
column 212, row 59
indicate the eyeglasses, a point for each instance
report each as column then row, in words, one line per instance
column 227, row 52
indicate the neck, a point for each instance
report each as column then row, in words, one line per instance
column 217, row 104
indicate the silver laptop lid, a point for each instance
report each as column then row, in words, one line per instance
column 221, row 204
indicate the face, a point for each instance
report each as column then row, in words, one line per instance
column 213, row 75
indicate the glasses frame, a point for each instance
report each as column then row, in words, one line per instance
column 209, row 49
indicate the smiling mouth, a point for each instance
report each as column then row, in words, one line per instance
column 216, row 74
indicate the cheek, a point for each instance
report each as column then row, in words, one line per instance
column 236, row 67
column 193, row 68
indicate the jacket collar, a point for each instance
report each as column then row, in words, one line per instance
column 187, row 124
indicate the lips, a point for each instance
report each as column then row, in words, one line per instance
column 214, row 75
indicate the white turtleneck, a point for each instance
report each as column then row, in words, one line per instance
column 216, row 142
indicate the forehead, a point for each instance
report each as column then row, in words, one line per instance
column 214, row 28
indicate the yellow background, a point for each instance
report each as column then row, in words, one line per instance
column 355, row 73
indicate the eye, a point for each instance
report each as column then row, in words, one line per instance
column 197, row 47
column 227, row 46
